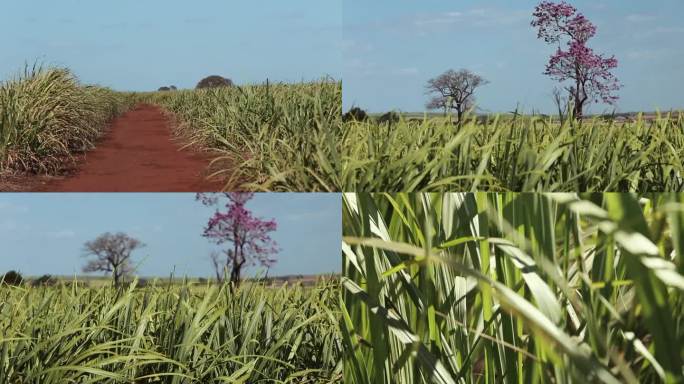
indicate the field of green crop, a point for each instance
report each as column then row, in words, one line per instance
column 505, row 154
column 46, row 116
column 170, row 334
column 278, row 137
column 513, row 288
column 290, row 137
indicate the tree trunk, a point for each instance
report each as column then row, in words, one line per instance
column 459, row 115
column 579, row 102
column 236, row 266
column 235, row 274
column 578, row 107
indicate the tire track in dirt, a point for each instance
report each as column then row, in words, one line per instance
column 138, row 154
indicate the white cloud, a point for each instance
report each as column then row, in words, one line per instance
column 436, row 19
column 478, row 12
column 639, row 18
column 476, row 17
column 361, row 67
column 8, row 225
column 353, row 46
column 61, row 234
column 432, row 21
column 308, row 215
column 408, row 71
column 8, row 206
column 646, row 54
column 657, row 31
column 668, row 30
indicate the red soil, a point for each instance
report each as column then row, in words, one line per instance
column 138, row 155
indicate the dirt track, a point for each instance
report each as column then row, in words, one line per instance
column 138, row 155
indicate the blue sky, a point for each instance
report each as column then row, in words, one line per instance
column 142, row 45
column 45, row 232
column 392, row 47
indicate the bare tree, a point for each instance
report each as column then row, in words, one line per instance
column 216, row 262
column 562, row 103
column 438, row 102
column 112, row 254
column 219, row 261
column 454, row 90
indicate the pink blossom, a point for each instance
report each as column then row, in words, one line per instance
column 576, row 62
column 249, row 235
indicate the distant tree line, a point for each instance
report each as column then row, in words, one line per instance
column 213, row 81
column 14, row 278
column 358, row 114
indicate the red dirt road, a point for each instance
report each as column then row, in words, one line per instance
column 138, row 155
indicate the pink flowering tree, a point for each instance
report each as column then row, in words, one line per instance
column 589, row 73
column 249, row 236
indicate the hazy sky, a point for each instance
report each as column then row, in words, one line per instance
column 392, row 47
column 45, row 232
column 142, row 45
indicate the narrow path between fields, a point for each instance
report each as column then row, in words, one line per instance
column 138, row 154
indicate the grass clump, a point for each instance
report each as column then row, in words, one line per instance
column 281, row 137
column 525, row 153
column 46, row 115
column 513, row 288
column 170, row 334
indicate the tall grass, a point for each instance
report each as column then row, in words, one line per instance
column 513, row 288
column 170, row 334
column 46, row 115
column 290, row 138
column 520, row 154
column 280, row 137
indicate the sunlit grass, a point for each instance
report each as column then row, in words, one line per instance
column 515, row 154
column 513, row 288
column 46, row 116
column 170, row 334
column 281, row 137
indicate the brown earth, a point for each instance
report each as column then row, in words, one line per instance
column 138, row 154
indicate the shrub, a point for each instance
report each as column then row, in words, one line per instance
column 163, row 89
column 389, row 118
column 214, row 82
column 45, row 280
column 355, row 114
column 12, row 278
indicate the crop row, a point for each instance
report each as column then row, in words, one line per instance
column 280, row 137
column 46, row 116
column 514, row 154
column 180, row 334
